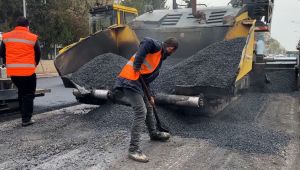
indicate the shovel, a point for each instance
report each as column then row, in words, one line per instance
column 160, row 127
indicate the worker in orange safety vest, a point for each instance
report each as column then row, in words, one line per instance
column 21, row 53
column 145, row 64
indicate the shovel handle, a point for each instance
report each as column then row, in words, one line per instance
column 147, row 93
column 146, row 89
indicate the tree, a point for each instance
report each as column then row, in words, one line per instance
column 55, row 21
column 10, row 10
column 274, row 47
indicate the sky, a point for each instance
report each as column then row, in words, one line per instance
column 285, row 22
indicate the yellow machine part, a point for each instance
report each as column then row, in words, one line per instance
column 125, row 9
column 69, row 46
column 244, row 28
column 116, row 7
column 119, row 39
column 239, row 29
column 247, row 56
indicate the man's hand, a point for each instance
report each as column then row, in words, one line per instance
column 152, row 100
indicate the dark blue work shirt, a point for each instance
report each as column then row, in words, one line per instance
column 147, row 46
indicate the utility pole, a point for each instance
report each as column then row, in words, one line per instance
column 24, row 8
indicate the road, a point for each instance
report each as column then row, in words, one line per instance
column 57, row 98
column 256, row 131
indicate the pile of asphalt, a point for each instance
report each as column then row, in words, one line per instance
column 99, row 73
column 214, row 66
column 237, row 127
column 68, row 140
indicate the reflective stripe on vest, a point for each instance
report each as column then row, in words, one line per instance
column 19, row 40
column 20, row 65
column 150, row 63
column 145, row 63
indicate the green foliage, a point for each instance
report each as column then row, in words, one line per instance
column 55, row 21
column 58, row 21
column 9, row 11
column 274, row 47
column 140, row 4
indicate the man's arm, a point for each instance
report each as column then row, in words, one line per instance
column 37, row 52
column 148, row 45
column 2, row 52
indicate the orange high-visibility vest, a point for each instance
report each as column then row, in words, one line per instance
column 20, row 57
column 149, row 65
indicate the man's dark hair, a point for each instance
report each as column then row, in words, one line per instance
column 171, row 42
column 22, row 21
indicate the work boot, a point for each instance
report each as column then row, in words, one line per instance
column 138, row 155
column 160, row 136
column 27, row 123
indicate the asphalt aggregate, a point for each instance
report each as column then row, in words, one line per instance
column 99, row 73
column 73, row 140
column 254, row 124
column 236, row 127
column 281, row 81
column 213, row 66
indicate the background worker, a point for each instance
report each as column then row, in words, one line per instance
column 146, row 62
column 21, row 54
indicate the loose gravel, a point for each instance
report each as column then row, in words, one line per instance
column 214, row 66
column 236, row 127
column 281, row 81
column 99, row 73
column 77, row 139
column 69, row 140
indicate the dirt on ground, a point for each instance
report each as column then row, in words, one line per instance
column 256, row 131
